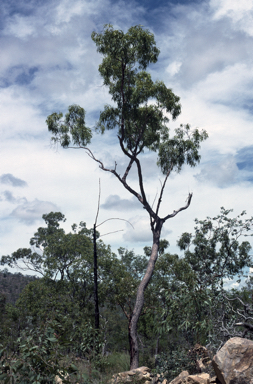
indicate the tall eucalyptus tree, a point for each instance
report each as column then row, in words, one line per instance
column 139, row 117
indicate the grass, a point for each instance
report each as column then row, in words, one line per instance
column 100, row 372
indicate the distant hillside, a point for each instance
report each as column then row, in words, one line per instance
column 12, row 284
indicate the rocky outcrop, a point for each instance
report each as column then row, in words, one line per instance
column 233, row 364
column 185, row 378
column 140, row 375
column 143, row 375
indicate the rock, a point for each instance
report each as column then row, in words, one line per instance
column 185, row 378
column 233, row 364
column 204, row 365
column 200, row 351
column 140, row 375
column 179, row 379
column 203, row 362
column 200, row 378
column 58, row 380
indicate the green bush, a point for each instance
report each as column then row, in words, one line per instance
column 171, row 364
column 38, row 357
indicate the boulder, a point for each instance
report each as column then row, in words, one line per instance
column 179, row 379
column 233, row 364
column 185, row 378
column 200, row 378
column 140, row 375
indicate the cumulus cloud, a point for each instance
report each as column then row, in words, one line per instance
column 240, row 12
column 226, row 170
column 29, row 212
column 222, row 172
column 8, row 178
column 173, row 68
column 9, row 197
column 115, row 202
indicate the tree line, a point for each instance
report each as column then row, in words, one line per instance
column 186, row 301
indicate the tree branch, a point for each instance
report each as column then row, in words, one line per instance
column 180, row 209
column 249, row 327
column 128, row 169
column 162, row 190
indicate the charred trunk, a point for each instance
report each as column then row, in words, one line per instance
column 95, row 279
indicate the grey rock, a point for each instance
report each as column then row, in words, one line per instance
column 233, row 364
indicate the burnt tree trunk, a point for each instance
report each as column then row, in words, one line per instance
column 95, row 278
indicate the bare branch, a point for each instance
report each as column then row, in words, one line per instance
column 99, row 194
column 162, row 190
column 101, row 166
column 120, row 230
column 115, row 218
column 180, row 209
column 154, row 200
column 249, row 327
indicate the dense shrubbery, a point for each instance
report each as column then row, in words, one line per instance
column 170, row 364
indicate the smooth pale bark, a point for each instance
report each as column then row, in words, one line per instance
column 132, row 327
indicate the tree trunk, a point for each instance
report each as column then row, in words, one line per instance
column 132, row 328
column 95, row 279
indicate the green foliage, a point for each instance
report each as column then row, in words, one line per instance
column 140, row 104
column 217, row 252
column 193, row 302
column 38, row 358
column 185, row 302
column 54, row 252
column 183, row 148
column 170, row 365
column 72, row 129
column 12, row 284
column 67, row 257
column 118, row 362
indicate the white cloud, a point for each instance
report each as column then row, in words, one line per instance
column 173, row 68
column 9, row 179
column 221, row 173
column 32, row 211
column 141, row 233
column 21, row 27
column 66, row 10
column 116, row 203
column 240, row 12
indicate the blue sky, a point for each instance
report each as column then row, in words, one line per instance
column 48, row 61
